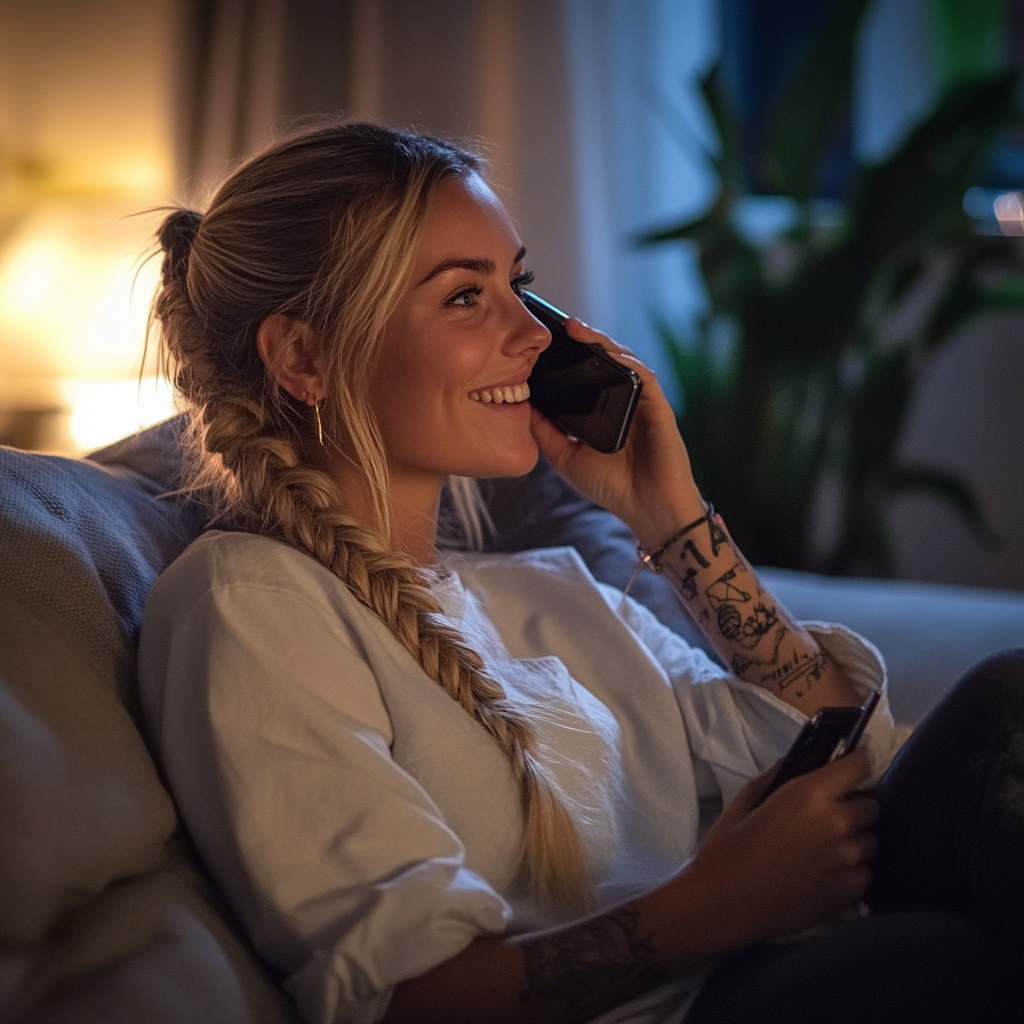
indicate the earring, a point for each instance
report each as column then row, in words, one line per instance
column 319, row 425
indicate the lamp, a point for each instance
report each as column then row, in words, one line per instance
column 74, row 300
column 86, row 142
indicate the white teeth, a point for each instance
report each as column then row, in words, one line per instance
column 511, row 395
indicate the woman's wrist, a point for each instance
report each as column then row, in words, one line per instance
column 656, row 527
column 693, row 920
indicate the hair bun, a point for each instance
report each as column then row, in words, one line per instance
column 176, row 236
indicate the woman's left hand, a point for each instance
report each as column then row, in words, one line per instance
column 648, row 483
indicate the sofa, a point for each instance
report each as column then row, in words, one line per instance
column 106, row 914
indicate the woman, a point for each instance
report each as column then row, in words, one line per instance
column 456, row 787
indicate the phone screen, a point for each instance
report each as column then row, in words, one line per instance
column 579, row 387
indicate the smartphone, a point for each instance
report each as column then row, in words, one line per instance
column 579, row 387
column 830, row 734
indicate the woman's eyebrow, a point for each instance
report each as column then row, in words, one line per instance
column 473, row 263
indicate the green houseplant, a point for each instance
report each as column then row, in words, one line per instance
column 800, row 374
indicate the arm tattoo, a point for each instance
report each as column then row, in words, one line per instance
column 579, row 974
column 689, row 548
column 723, row 589
column 733, row 607
column 807, row 667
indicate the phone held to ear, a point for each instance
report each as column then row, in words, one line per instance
column 579, row 387
column 830, row 734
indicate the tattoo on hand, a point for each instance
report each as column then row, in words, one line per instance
column 579, row 974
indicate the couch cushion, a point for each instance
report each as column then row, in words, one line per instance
column 82, row 545
column 148, row 949
column 85, row 932
column 80, row 800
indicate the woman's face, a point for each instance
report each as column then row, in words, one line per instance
column 449, row 391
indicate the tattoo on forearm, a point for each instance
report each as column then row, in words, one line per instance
column 579, row 974
column 742, row 663
column 718, row 537
column 688, row 584
column 798, row 667
column 723, row 589
column 736, row 604
column 747, row 632
column 690, row 548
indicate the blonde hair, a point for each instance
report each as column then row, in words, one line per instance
column 323, row 227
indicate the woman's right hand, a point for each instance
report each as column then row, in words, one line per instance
column 799, row 858
column 796, row 859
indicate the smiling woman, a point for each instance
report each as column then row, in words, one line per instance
column 458, row 787
column 449, row 390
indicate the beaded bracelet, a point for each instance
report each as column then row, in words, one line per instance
column 651, row 559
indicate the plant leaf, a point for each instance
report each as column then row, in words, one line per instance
column 728, row 161
column 808, row 106
column 917, row 193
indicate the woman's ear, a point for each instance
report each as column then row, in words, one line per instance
column 287, row 348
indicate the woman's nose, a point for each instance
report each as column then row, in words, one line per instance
column 529, row 335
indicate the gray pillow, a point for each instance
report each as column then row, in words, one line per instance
column 85, row 820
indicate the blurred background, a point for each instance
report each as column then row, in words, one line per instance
column 709, row 181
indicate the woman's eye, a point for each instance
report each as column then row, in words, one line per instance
column 467, row 297
column 520, row 281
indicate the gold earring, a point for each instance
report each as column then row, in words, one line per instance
column 319, row 425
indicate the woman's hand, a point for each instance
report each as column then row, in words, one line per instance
column 797, row 859
column 648, row 483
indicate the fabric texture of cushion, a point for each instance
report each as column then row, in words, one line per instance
column 102, row 915
column 80, row 798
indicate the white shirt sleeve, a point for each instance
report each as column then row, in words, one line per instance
column 737, row 729
column 275, row 741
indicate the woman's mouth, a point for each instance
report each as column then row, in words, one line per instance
column 510, row 394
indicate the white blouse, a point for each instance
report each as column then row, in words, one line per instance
column 364, row 826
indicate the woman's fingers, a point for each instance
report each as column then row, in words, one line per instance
column 648, row 483
column 800, row 856
column 581, row 332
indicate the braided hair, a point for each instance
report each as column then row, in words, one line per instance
column 323, row 227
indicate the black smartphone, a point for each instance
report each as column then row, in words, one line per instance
column 831, row 733
column 579, row 387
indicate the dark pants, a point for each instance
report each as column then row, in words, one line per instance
column 945, row 939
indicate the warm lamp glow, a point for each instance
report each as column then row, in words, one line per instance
column 74, row 300
column 74, row 305
column 87, row 102
column 104, row 411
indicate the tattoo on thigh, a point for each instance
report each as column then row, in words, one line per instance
column 581, row 973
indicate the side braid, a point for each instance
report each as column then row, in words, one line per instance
column 301, row 506
column 321, row 227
